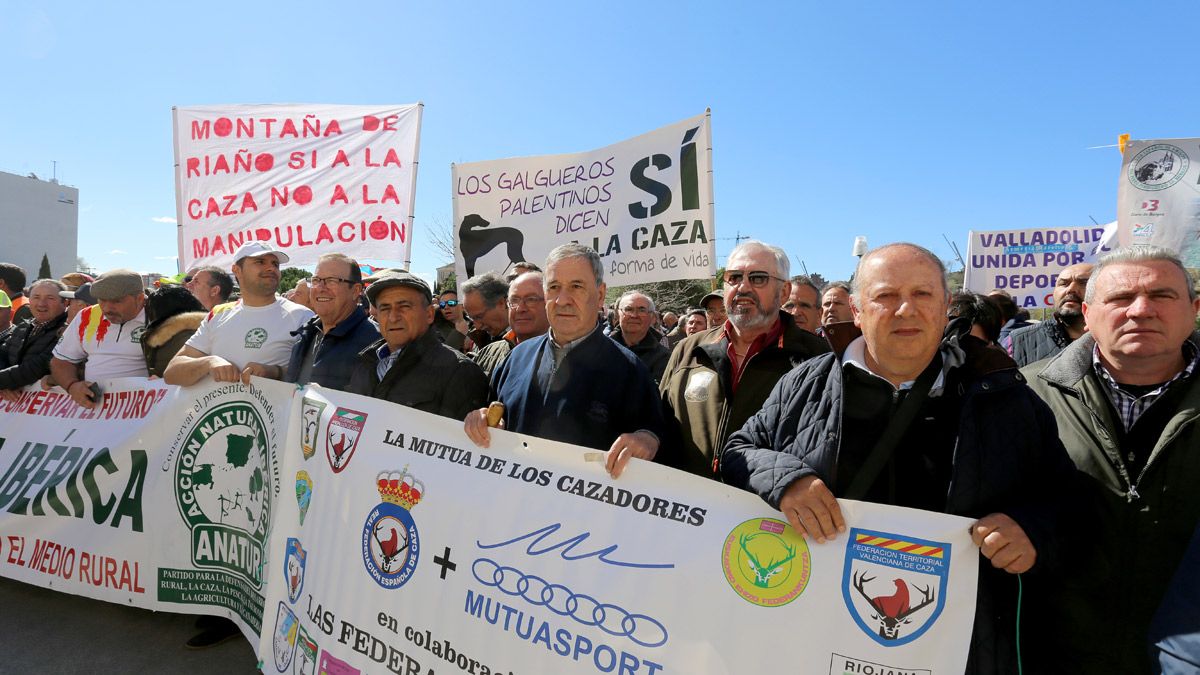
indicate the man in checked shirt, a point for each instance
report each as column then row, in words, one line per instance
column 1126, row 396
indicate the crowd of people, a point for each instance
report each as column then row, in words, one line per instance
column 1072, row 443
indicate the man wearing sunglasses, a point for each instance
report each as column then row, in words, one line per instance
column 330, row 341
column 716, row 379
column 449, row 322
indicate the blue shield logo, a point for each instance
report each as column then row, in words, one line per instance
column 294, row 560
column 894, row 585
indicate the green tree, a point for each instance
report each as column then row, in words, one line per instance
column 289, row 276
column 44, row 270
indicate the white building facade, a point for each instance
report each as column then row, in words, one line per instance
column 37, row 218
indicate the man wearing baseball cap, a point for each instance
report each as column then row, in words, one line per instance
column 107, row 337
column 410, row 365
column 252, row 336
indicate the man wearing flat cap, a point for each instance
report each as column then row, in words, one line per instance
column 252, row 336
column 410, row 365
column 106, row 336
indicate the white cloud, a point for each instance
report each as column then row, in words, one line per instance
column 117, row 251
column 163, row 219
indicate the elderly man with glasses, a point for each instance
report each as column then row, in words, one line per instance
column 526, row 317
column 635, row 320
column 717, row 378
column 330, row 341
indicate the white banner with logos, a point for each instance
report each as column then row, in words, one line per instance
column 307, row 178
column 409, row 550
column 355, row 535
column 161, row 498
column 1158, row 196
column 644, row 204
column 1026, row 263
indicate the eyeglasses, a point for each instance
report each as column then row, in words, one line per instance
column 327, row 281
column 187, row 279
column 757, row 279
column 531, row 301
column 448, row 303
column 635, row 311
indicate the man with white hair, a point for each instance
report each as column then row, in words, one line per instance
column 905, row 418
column 716, row 379
column 1126, row 395
column 574, row 384
column 635, row 319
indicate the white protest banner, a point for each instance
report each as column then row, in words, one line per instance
column 644, row 204
column 309, row 179
column 1158, row 196
column 162, row 498
column 1026, row 263
column 410, row 550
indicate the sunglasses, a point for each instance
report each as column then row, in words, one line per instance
column 448, row 303
column 756, row 279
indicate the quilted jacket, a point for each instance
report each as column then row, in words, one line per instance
column 1007, row 459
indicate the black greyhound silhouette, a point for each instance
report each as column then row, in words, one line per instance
column 475, row 242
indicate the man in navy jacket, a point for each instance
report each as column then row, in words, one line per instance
column 574, row 384
column 330, row 342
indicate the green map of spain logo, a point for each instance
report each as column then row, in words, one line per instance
column 221, row 491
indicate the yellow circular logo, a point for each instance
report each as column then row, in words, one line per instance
column 766, row 562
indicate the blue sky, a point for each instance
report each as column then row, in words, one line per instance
column 895, row 121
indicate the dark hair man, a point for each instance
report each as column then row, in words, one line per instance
column 717, row 379
column 1047, row 338
column 1126, row 396
column 574, row 384
column 835, row 303
column 330, row 341
column 697, row 322
column 804, row 304
column 250, row 337
column 526, row 316
column 976, row 442
column 409, row 365
column 12, row 283
column 211, row 285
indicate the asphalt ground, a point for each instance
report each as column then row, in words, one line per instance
column 44, row 631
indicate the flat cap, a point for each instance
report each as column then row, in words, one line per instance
column 82, row 294
column 116, row 284
column 394, row 279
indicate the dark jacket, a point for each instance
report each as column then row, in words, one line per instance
column 699, row 405
column 1132, row 530
column 427, row 375
column 24, row 361
column 490, row 356
column 338, row 352
column 1039, row 341
column 1007, row 459
column 1175, row 633
column 650, row 350
column 449, row 334
column 599, row 391
column 164, row 339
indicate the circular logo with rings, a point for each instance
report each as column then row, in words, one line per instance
column 584, row 609
column 1158, row 167
column 766, row 562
